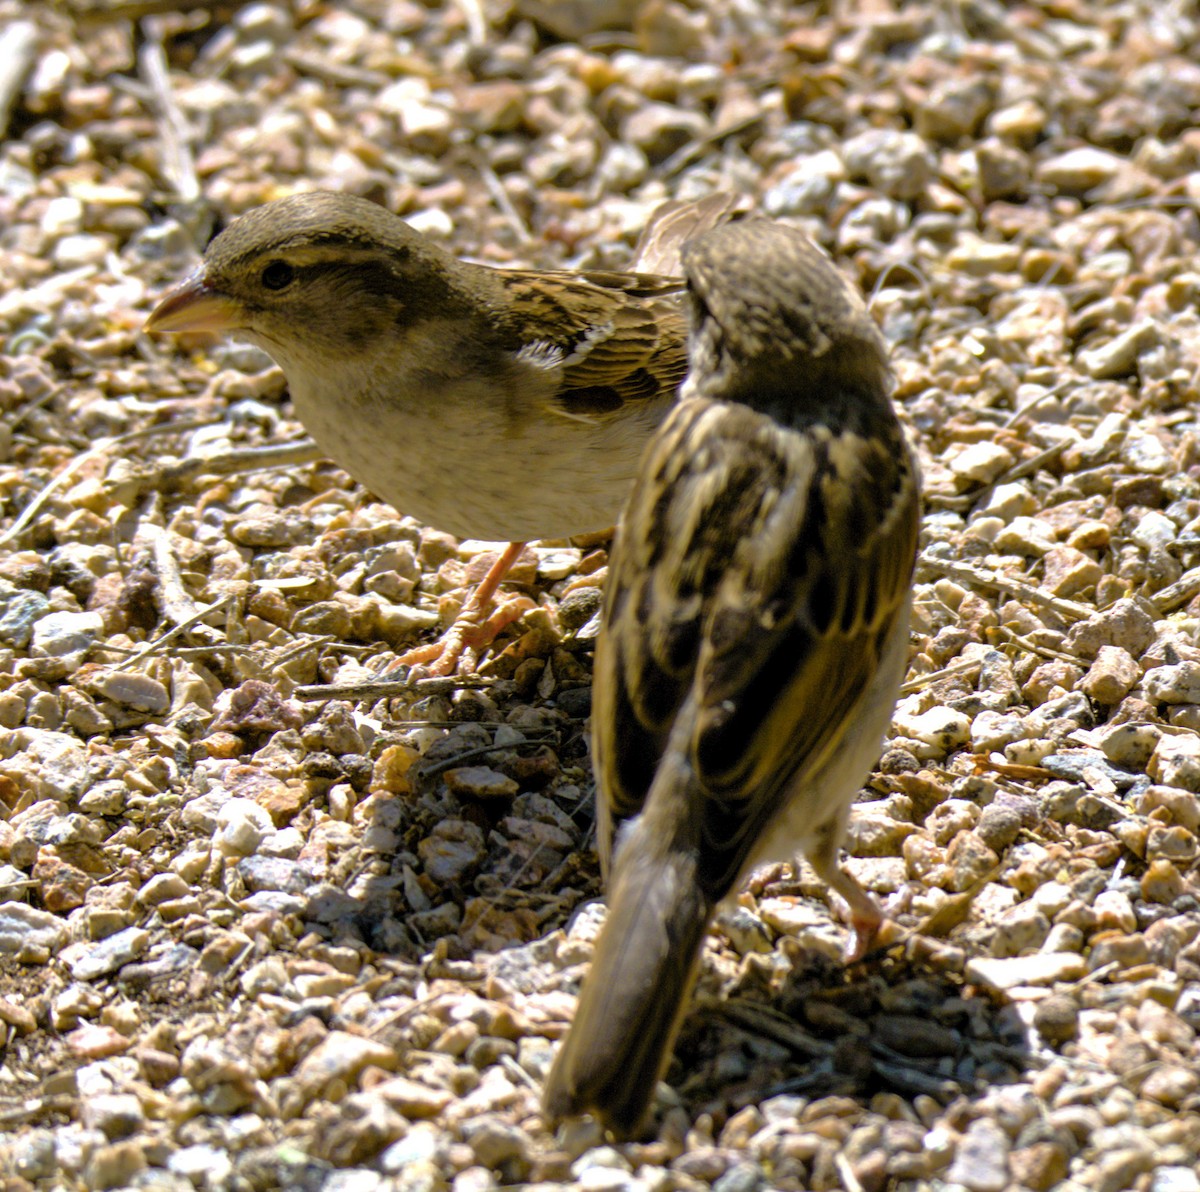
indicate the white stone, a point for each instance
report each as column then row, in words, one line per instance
column 993, row 730
column 981, row 463
column 1154, row 531
column 943, row 728
column 1026, row 536
column 242, row 825
column 204, row 1166
column 1008, row 972
column 1008, row 501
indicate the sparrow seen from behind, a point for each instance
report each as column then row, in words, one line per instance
column 755, row 636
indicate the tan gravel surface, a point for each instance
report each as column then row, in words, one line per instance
column 258, row 936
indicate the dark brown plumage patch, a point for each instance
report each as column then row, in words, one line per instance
column 642, row 384
column 593, row 400
column 621, row 337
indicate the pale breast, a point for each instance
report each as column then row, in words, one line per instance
column 474, row 459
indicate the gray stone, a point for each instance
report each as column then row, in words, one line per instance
column 110, row 954
column 274, row 873
column 32, row 1155
column 659, row 129
column 453, row 848
column 1079, row 170
column 117, row 1115
column 1124, row 623
column 1010, row 972
column 981, row 1164
column 134, row 690
column 29, row 935
column 899, row 164
column 1119, row 356
column 20, row 610
column 49, row 765
column 65, row 635
column 204, row 1166
column 1175, row 684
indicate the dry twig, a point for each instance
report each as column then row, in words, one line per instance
column 1068, row 609
column 159, row 643
column 179, row 166
column 385, row 688
column 228, row 463
column 1174, row 595
column 105, row 445
column 18, row 49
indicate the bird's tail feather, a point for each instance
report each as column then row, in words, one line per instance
column 634, row 994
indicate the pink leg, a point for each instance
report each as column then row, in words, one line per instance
column 472, row 628
column 865, row 915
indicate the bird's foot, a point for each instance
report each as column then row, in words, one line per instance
column 475, row 628
column 864, row 933
column 459, row 648
column 864, row 917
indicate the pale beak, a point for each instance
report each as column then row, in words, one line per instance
column 193, row 305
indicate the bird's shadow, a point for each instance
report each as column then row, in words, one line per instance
column 791, row 1023
column 891, row 1026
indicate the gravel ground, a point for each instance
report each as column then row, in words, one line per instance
column 257, row 936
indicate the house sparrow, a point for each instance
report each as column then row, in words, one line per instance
column 503, row 404
column 755, row 636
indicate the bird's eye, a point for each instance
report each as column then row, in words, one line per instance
column 277, row 275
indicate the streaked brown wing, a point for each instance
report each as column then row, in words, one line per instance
column 618, row 337
column 647, row 651
column 748, row 635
